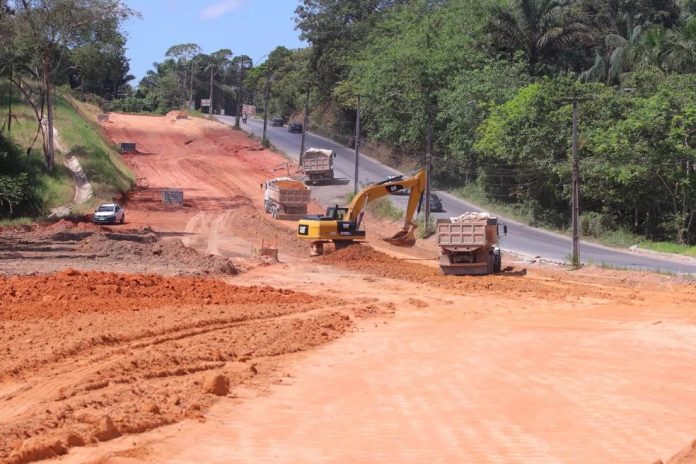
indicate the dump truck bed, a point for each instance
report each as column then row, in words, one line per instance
column 289, row 193
column 465, row 234
column 286, row 198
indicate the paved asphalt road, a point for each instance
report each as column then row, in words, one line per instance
column 520, row 238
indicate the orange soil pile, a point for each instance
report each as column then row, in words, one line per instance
column 87, row 357
column 149, row 247
column 685, row 456
column 290, row 185
column 48, row 229
column 53, row 296
column 176, row 114
column 512, row 281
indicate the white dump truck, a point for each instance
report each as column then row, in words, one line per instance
column 317, row 164
column 285, row 198
column 469, row 244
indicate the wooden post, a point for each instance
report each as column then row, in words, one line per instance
column 357, row 146
column 576, row 189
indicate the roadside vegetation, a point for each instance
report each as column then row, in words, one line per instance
column 31, row 190
column 102, row 163
column 51, row 50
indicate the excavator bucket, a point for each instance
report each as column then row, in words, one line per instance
column 404, row 238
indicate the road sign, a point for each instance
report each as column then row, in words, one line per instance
column 127, row 147
column 173, row 197
column 205, row 102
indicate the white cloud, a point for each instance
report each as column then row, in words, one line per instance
column 219, row 9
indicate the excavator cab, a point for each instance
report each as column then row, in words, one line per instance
column 335, row 213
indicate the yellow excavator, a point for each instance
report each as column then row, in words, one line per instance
column 342, row 225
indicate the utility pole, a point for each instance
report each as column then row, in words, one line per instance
column 240, row 91
column 428, row 169
column 9, row 114
column 304, row 123
column 210, row 108
column 264, row 140
column 576, row 188
column 357, row 146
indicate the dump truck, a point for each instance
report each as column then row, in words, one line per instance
column 285, row 198
column 317, row 164
column 469, row 244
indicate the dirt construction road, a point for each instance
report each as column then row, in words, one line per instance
column 359, row 356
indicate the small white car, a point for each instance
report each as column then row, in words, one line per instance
column 109, row 213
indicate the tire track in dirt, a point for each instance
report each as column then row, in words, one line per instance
column 89, row 372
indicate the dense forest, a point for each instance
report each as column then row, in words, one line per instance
column 494, row 77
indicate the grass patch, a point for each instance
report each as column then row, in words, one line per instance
column 425, row 230
column 668, row 247
column 46, row 189
column 384, row 208
column 105, row 169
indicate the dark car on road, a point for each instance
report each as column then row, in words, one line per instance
column 277, row 122
column 435, row 204
column 295, row 128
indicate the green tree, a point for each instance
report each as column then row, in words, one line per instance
column 680, row 49
column 218, row 62
column 185, row 53
column 44, row 30
column 541, row 29
column 336, row 30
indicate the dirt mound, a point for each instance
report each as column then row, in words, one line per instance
column 364, row 259
column 685, row 456
column 176, row 114
column 71, row 291
column 149, row 246
column 290, row 185
column 91, row 356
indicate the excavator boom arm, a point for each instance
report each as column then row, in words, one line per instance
column 373, row 192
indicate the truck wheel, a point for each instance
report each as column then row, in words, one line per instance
column 497, row 265
column 316, row 249
column 341, row 244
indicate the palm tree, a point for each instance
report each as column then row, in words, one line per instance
column 680, row 49
column 640, row 49
column 536, row 27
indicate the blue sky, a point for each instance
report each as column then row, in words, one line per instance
column 247, row 27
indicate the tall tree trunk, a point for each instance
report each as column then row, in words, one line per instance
column 191, row 104
column 49, row 148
